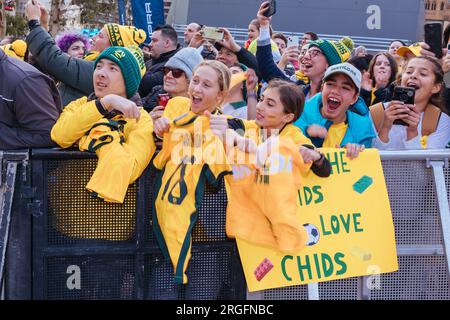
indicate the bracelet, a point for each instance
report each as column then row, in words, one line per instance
column 252, row 95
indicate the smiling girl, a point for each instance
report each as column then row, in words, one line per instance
column 427, row 126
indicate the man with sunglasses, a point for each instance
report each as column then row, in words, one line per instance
column 177, row 75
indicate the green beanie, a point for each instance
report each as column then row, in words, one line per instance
column 127, row 61
column 335, row 51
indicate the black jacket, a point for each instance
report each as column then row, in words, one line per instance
column 151, row 100
column 29, row 105
column 154, row 75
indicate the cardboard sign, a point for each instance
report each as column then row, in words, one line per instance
column 348, row 220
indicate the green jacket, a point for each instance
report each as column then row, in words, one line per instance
column 75, row 75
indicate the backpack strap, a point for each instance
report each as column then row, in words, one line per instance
column 430, row 120
column 377, row 113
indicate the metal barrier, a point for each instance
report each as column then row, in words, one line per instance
column 418, row 184
column 43, row 262
column 372, row 44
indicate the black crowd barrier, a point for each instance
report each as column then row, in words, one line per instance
column 45, row 262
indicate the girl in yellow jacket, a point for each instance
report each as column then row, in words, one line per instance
column 112, row 124
column 263, row 206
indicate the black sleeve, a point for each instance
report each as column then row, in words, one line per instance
column 246, row 57
column 323, row 170
column 150, row 80
column 267, row 66
column 236, row 124
column 366, row 96
column 37, row 107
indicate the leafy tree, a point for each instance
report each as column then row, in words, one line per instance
column 97, row 12
column 2, row 19
column 16, row 25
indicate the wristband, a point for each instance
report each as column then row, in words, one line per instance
column 252, row 95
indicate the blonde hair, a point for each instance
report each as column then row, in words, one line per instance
column 223, row 76
column 222, row 71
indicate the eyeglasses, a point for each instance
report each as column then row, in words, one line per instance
column 176, row 73
column 314, row 53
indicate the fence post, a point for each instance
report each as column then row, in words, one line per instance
column 444, row 210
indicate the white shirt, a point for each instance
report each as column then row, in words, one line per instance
column 235, row 112
column 397, row 136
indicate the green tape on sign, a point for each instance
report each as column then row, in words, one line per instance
column 362, row 184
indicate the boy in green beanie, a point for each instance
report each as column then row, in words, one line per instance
column 111, row 123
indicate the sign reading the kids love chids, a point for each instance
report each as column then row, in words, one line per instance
column 348, row 220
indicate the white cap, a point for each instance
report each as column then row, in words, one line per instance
column 347, row 69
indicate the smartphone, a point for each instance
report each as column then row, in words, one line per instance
column 272, row 9
column 212, row 33
column 406, row 95
column 448, row 48
column 163, row 99
column 433, row 37
column 293, row 41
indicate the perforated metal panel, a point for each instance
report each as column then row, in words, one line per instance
column 345, row 289
column 74, row 213
column 413, row 202
column 288, row 293
column 101, row 239
column 210, row 274
column 419, row 278
column 447, row 181
column 90, row 277
column 210, row 225
column 417, row 224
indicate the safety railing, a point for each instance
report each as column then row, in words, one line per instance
column 372, row 44
column 418, row 184
column 50, row 254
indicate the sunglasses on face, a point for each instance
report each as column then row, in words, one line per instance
column 176, row 73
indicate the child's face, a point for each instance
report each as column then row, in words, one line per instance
column 270, row 111
column 204, row 90
column 338, row 94
column 419, row 75
column 108, row 79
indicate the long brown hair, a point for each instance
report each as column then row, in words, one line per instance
column 291, row 96
column 436, row 99
column 393, row 66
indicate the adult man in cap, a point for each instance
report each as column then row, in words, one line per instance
column 75, row 75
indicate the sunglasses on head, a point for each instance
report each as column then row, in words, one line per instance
column 176, row 73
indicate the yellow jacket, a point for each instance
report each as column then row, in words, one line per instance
column 124, row 154
column 263, row 207
column 124, row 148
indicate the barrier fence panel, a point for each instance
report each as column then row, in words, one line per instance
column 71, row 262
column 418, row 185
column 15, row 235
column 53, row 250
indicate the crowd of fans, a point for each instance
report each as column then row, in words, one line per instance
column 103, row 94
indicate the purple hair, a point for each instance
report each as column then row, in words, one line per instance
column 65, row 40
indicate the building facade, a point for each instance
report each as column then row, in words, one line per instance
column 437, row 11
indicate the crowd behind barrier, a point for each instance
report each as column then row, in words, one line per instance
column 370, row 43
column 60, row 241
column 42, row 264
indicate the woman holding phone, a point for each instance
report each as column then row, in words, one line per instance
column 426, row 125
column 177, row 75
